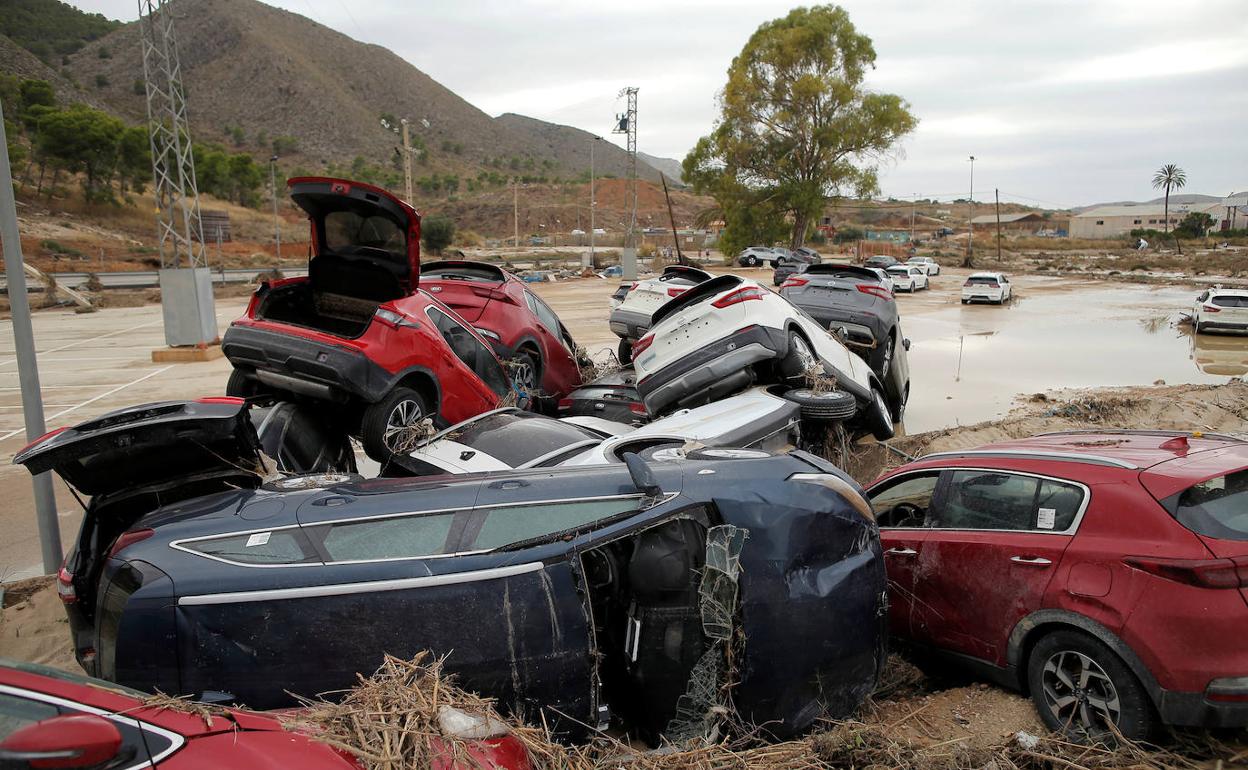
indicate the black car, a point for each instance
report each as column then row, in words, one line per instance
column 589, row 592
column 795, row 262
column 612, row 396
column 857, row 300
column 883, row 262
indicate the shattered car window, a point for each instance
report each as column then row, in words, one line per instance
column 346, row 232
column 518, row 524
column 278, row 547
column 1217, row 507
column 906, row 503
column 397, row 538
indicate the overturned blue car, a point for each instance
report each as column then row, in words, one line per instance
column 656, row 594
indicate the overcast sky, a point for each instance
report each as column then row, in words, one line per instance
column 1062, row 102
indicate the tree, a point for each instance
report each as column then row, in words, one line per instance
column 134, row 163
column 86, row 140
column 1194, row 225
column 797, row 125
column 1170, row 177
column 436, row 233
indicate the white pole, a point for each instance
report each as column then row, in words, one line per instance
column 592, row 202
column 27, row 363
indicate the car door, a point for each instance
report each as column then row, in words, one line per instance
column 461, row 400
column 902, row 506
column 995, row 541
column 560, row 373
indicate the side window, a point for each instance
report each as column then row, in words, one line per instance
column 471, row 351
column 516, row 524
column 906, row 502
column 997, row 500
column 1204, row 296
column 283, row 546
column 401, row 537
column 16, row 713
column 546, row 316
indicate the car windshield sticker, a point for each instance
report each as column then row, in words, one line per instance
column 1046, row 518
column 260, row 538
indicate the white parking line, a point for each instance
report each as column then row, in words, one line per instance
column 92, row 400
column 89, row 339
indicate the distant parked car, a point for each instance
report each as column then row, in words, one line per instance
column 780, row 255
column 356, row 335
column 726, row 333
column 511, row 438
column 631, row 318
column 1219, row 309
column 1105, row 573
column 907, row 278
column 986, row 287
column 860, row 301
column 755, row 256
column 928, row 264
column 796, row 262
column 881, row 261
column 208, row 579
column 521, row 328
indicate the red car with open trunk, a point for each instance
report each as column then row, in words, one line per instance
column 1105, row 573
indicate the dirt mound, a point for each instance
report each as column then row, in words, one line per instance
column 33, row 626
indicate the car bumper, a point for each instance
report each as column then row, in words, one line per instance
column 629, row 324
column 1194, row 709
column 982, row 297
column 711, row 366
column 305, row 366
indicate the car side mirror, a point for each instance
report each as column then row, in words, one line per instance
column 66, row 741
column 905, row 343
column 643, row 477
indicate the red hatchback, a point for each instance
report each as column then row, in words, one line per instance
column 51, row 719
column 1104, row 573
column 357, row 332
column 521, row 327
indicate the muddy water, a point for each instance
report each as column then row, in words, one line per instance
column 968, row 363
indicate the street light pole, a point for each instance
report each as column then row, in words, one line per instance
column 592, row 202
column 27, row 363
column 970, row 217
column 277, row 222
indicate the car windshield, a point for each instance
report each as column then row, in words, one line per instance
column 461, row 273
column 1216, row 508
column 515, row 437
column 347, row 232
column 902, row 271
column 982, row 280
column 1229, row 300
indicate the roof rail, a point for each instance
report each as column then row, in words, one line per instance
column 1025, row 454
column 1133, row 432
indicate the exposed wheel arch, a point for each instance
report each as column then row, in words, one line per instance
column 423, row 383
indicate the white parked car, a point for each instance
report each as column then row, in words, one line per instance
column 727, row 333
column 630, row 319
column 928, row 264
column 512, row 438
column 1219, row 308
column 907, row 278
column 987, row 287
column 755, row 256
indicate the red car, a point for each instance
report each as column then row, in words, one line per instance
column 521, row 327
column 357, row 332
column 52, row 719
column 1104, row 573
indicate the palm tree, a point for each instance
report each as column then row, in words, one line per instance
column 1169, row 176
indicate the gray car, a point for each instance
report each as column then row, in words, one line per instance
column 858, row 300
column 795, row 262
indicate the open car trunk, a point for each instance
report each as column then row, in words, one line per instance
column 365, row 251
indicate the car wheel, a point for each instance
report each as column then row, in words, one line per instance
column 965, row 301
column 899, row 411
column 799, row 360
column 1080, row 687
column 526, row 373
column 879, row 421
column 912, row 287
column 882, row 358
column 624, row 352
column 751, row 261
column 824, row 404
column 242, row 386
column 390, row 425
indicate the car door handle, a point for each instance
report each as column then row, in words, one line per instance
column 1034, row 561
column 509, row 484
column 901, row 552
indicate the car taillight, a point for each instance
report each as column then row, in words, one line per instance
column 565, row 403
column 232, row 400
column 1212, row 309
column 1203, row 573
column 44, row 437
column 673, row 292
column 744, row 294
column 636, row 407
column 394, row 319
column 640, row 345
column 792, row 283
column 65, row 586
column 130, row 538
column 875, row 290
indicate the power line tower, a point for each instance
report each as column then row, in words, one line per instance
column 185, row 282
column 627, row 124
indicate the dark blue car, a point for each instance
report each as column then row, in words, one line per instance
column 588, row 593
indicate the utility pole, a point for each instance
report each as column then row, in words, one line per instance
column 997, row 194
column 515, row 210
column 627, row 124
column 970, row 219
column 277, row 222
column 913, row 205
column 407, row 164
column 680, row 258
column 27, row 363
column 592, row 201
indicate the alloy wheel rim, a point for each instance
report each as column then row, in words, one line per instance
column 403, row 416
column 804, row 356
column 888, row 358
column 1079, row 692
column 524, row 377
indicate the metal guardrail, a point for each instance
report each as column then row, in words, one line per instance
column 142, row 279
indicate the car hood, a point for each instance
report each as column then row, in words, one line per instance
column 323, row 197
column 149, row 445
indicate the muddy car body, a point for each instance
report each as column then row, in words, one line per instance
column 613, row 396
column 576, row 590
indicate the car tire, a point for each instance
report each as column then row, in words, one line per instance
column 624, row 352
column 383, row 422
column 899, row 411
column 751, row 261
column 798, row 360
column 882, row 357
column 526, row 373
column 878, row 419
column 825, row 405
column 240, row 385
column 1072, row 661
column 911, row 288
